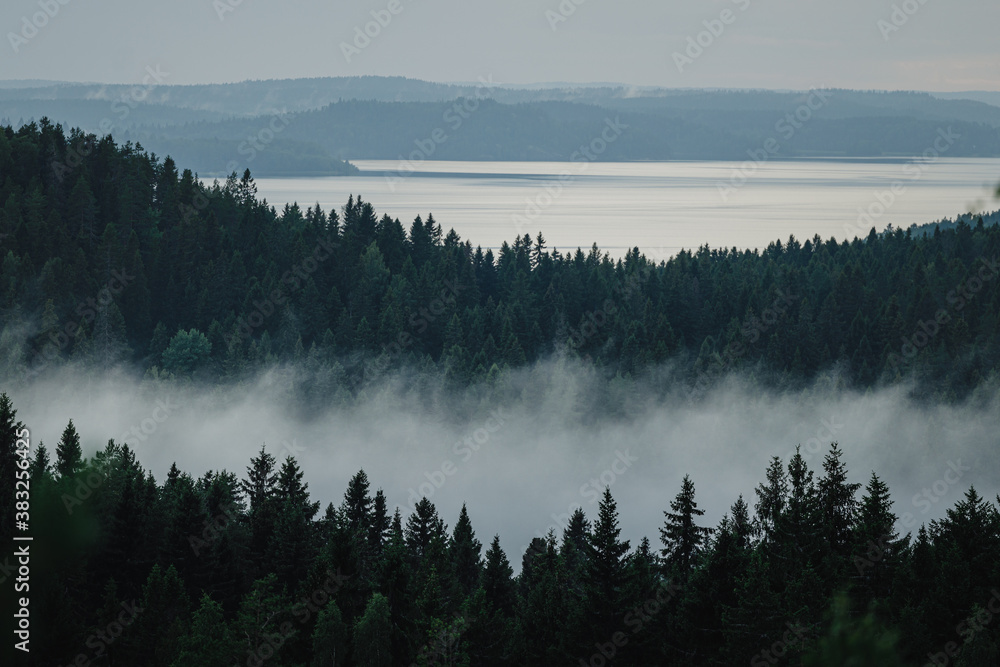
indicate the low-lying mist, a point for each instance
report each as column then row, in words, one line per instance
column 523, row 462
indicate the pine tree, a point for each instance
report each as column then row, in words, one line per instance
column 356, row 508
column 877, row 546
column 682, row 539
column 544, row 608
column 291, row 547
column 425, row 534
column 575, row 547
column 466, row 554
column 606, row 576
column 396, row 583
column 486, row 620
column 69, row 453
column 968, row 539
column 497, row 580
column 40, row 466
column 771, row 498
column 259, row 488
column 799, row 528
column 837, row 502
column 378, row 531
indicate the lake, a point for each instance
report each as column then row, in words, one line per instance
column 661, row 207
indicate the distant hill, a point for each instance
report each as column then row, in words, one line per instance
column 29, row 83
column 557, row 131
column 986, row 96
column 326, row 120
column 252, row 98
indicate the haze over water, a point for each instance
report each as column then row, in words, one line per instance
column 660, row 207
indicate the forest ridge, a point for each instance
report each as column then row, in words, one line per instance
column 112, row 256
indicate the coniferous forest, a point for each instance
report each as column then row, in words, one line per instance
column 113, row 258
column 246, row 568
column 111, row 255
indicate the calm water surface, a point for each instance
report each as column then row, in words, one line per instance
column 658, row 206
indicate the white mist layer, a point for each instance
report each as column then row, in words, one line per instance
column 540, row 456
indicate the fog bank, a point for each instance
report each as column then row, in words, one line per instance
column 524, row 461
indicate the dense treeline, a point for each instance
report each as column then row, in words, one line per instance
column 232, row 570
column 110, row 256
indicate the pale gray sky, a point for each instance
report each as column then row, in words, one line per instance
column 939, row 45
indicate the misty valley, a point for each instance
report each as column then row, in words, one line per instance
column 374, row 371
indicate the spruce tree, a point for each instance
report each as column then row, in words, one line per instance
column 606, row 576
column 497, row 580
column 771, row 498
column 69, row 453
column 877, row 546
column 259, row 488
column 292, row 546
column 466, row 554
column 837, row 501
column 682, row 538
column 425, row 534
